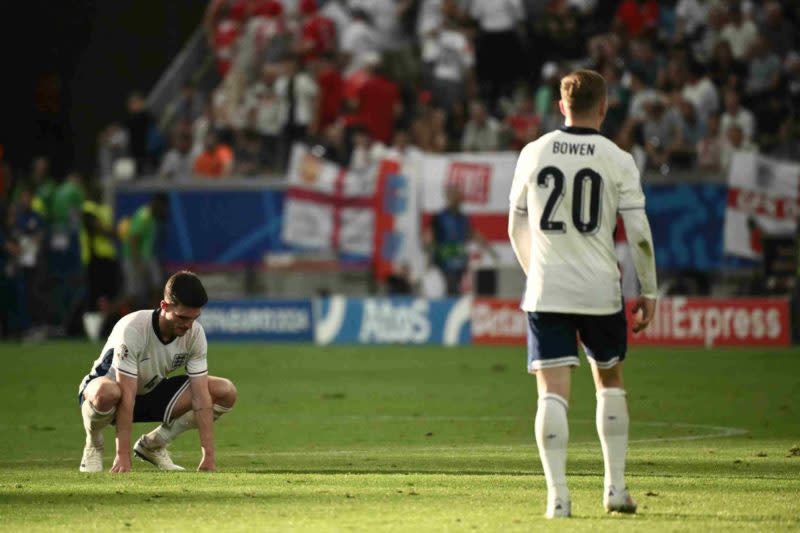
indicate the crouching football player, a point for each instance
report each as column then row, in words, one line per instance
column 129, row 382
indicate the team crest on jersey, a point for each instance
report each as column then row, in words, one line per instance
column 180, row 359
column 123, row 352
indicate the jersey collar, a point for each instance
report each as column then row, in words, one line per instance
column 156, row 329
column 577, row 130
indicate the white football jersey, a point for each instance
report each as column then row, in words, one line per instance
column 135, row 349
column 571, row 183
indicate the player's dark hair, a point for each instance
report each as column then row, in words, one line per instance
column 582, row 91
column 185, row 288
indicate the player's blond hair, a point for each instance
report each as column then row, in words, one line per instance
column 582, row 91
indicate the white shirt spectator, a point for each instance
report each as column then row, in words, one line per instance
column 638, row 102
column 177, row 165
column 741, row 38
column 584, row 7
column 703, row 95
column 693, row 13
column 453, row 56
column 338, row 13
column 481, row 137
column 359, row 40
column 305, row 93
column 743, row 118
column 497, row 15
column 383, row 14
column 429, row 19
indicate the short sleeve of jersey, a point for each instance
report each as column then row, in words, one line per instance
column 630, row 186
column 127, row 352
column 518, row 197
column 197, row 364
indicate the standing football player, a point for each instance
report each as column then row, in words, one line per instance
column 568, row 187
column 128, row 382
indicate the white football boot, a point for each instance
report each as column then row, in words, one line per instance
column 558, row 508
column 157, row 456
column 92, row 460
column 618, row 501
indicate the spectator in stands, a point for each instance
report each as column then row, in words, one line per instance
column 394, row 41
column 112, row 147
column 788, row 143
column 297, row 92
column 215, row 161
column 739, row 32
column 331, row 89
column 726, row 70
column 378, row 102
column 482, row 132
column 317, row 33
column 179, row 161
column 43, row 187
column 662, row 132
column 366, row 152
column 402, row 147
column 430, row 18
column 523, row 123
column 265, row 116
column 358, row 40
column 28, row 231
column 498, row 21
column 635, row 17
column 619, row 97
column 684, row 154
column 190, row 104
column 709, row 149
column 764, row 71
column 248, row 154
column 338, row 12
column 642, row 58
column 641, row 95
column 64, row 254
column 736, row 114
column 140, row 257
column 692, row 16
column 267, row 39
column 700, row 91
column 792, row 74
column 452, row 60
column 777, row 30
column 735, row 141
column 138, row 123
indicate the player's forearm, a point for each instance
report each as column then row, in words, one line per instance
column 205, row 428
column 640, row 239
column 124, row 426
column 520, row 236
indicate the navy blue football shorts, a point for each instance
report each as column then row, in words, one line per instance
column 157, row 405
column 553, row 339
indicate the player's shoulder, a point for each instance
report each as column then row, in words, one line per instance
column 135, row 323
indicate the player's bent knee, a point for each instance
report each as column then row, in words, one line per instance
column 224, row 391
column 106, row 396
column 609, row 378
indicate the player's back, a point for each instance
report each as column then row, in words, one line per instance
column 572, row 183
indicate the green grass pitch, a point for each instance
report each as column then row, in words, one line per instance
column 413, row 439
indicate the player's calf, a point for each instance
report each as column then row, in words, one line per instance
column 97, row 411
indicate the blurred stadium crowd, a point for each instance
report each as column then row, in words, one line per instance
column 690, row 82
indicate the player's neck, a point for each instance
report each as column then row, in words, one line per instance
column 164, row 330
column 582, row 123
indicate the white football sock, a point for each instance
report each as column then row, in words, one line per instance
column 94, row 421
column 552, row 435
column 163, row 435
column 612, row 428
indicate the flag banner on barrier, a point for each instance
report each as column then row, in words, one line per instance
column 329, row 208
column 342, row 320
column 261, row 320
column 763, row 200
column 678, row 321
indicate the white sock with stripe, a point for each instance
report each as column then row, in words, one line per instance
column 94, row 422
column 552, row 435
column 612, row 428
column 164, row 434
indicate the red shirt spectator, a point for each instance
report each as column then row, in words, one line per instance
column 331, row 93
column 637, row 16
column 378, row 106
column 225, row 36
column 318, row 32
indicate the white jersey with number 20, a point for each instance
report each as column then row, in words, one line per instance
column 571, row 183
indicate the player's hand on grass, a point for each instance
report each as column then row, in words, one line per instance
column 643, row 311
column 121, row 464
column 207, row 465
